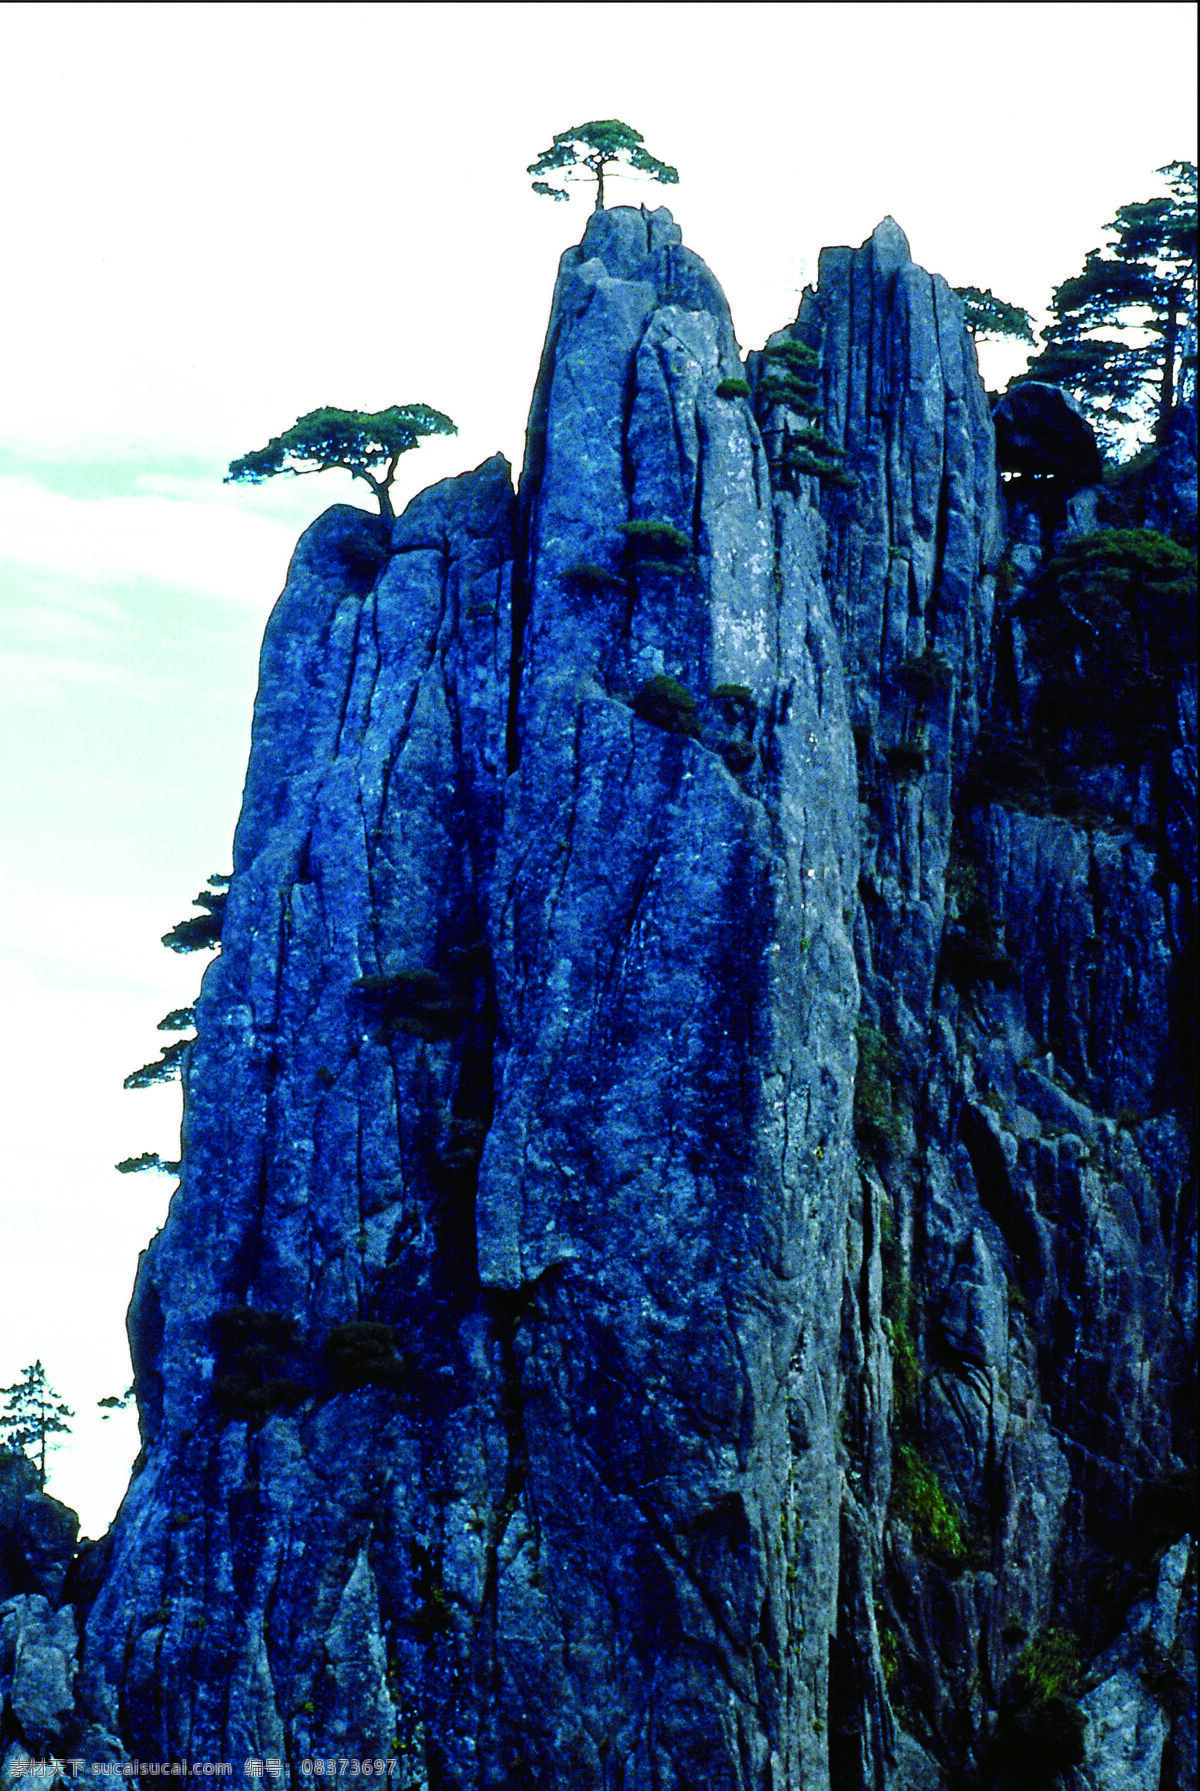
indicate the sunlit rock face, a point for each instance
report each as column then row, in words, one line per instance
column 680, row 1274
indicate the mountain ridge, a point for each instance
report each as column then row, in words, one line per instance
column 681, row 1263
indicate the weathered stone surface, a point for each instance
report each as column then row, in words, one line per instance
column 38, row 1648
column 1020, row 1098
column 325, row 1108
column 583, row 1500
column 1042, row 430
column 675, row 989
column 912, row 548
column 1139, row 1677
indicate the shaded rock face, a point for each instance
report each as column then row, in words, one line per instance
column 681, row 1270
column 1172, row 497
column 488, row 1358
column 1027, row 904
column 1142, row 1681
column 38, row 1631
column 37, row 1534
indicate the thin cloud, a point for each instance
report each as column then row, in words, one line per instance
column 31, row 678
column 172, row 540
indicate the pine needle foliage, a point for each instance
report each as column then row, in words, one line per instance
column 587, row 576
column 180, row 1019
column 668, row 704
column 986, row 315
column 662, row 540
column 1115, row 612
column 165, row 1068
column 200, row 932
column 790, row 387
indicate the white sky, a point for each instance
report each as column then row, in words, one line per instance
column 218, row 217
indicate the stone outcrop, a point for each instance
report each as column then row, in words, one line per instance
column 683, row 1271
column 1142, row 1697
column 37, row 1534
column 1040, row 429
column 38, row 1630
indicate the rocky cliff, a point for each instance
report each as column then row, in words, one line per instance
column 683, row 1271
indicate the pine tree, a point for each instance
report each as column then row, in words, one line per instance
column 115, row 1402
column 33, row 1413
column 986, row 315
column 198, row 932
column 1116, row 339
column 789, row 412
column 366, row 444
column 586, row 150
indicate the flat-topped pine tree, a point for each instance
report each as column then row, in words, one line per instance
column 586, row 150
column 367, row 444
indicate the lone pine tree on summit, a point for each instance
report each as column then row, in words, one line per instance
column 367, row 444
column 586, row 150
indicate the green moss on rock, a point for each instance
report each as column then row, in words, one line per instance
column 919, row 1497
column 878, row 1122
column 589, row 577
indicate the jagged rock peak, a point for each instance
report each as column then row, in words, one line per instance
column 887, row 249
column 632, row 243
column 37, row 1534
column 628, row 430
column 890, row 244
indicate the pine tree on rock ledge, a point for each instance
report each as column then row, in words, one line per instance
column 356, row 441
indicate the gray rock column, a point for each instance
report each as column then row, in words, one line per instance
column 663, row 1186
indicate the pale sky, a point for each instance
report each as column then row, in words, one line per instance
column 219, row 217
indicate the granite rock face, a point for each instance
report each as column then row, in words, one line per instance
column 488, row 1358
column 683, row 1271
column 1171, row 496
